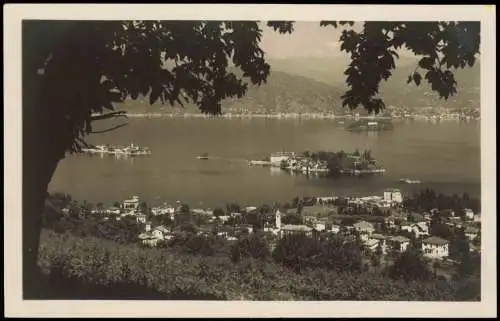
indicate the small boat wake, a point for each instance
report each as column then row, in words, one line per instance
column 205, row 156
column 409, row 181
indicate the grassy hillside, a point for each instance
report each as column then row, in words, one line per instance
column 91, row 268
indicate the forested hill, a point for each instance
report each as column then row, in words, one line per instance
column 301, row 85
column 395, row 91
column 282, row 93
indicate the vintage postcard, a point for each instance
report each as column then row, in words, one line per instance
column 250, row 160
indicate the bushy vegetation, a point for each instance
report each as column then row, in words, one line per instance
column 428, row 199
column 172, row 274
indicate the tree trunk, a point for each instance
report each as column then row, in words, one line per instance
column 43, row 147
column 46, row 136
column 37, row 173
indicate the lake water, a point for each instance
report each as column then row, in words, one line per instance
column 444, row 156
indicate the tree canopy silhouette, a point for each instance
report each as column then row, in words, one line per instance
column 74, row 71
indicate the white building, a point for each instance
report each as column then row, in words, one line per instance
column 420, row 229
column 335, row 229
column 319, row 227
column 276, row 158
column 381, row 241
column 131, row 204
column 371, row 244
column 399, row 243
column 278, row 219
column 141, row 218
column 326, row 199
column 364, row 227
column 296, row 229
column 222, row 218
column 469, row 214
column 163, row 210
column 393, row 195
column 113, row 210
column 471, row 232
column 249, row 209
column 435, row 247
column 160, row 232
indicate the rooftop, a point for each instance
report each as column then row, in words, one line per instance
column 162, row 229
column 400, row 239
column 378, row 236
column 290, row 227
column 435, row 240
column 363, row 225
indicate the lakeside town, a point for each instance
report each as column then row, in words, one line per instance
column 393, row 113
column 386, row 223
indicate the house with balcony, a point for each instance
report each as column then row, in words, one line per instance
column 435, row 247
column 419, row 229
column 364, row 228
column 131, row 204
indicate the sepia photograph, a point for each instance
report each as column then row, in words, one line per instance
column 264, row 158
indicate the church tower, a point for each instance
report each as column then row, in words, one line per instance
column 278, row 219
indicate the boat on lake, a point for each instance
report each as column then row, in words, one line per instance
column 409, row 181
column 203, row 156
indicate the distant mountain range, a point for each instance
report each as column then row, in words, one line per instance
column 316, row 85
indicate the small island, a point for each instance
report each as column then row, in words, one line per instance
column 328, row 163
column 131, row 150
column 370, row 125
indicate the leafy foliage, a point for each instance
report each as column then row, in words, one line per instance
column 253, row 246
column 428, row 199
column 444, row 47
column 410, row 265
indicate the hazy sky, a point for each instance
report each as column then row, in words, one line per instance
column 308, row 39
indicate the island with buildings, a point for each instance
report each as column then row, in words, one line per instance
column 370, row 125
column 131, row 150
column 324, row 163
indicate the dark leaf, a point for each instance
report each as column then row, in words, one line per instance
column 328, row 23
column 154, row 95
column 426, row 62
column 281, row 26
column 417, row 78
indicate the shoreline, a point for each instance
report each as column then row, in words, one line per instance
column 291, row 116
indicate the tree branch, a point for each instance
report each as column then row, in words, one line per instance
column 109, row 129
column 115, row 114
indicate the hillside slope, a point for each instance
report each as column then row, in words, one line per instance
column 301, row 85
